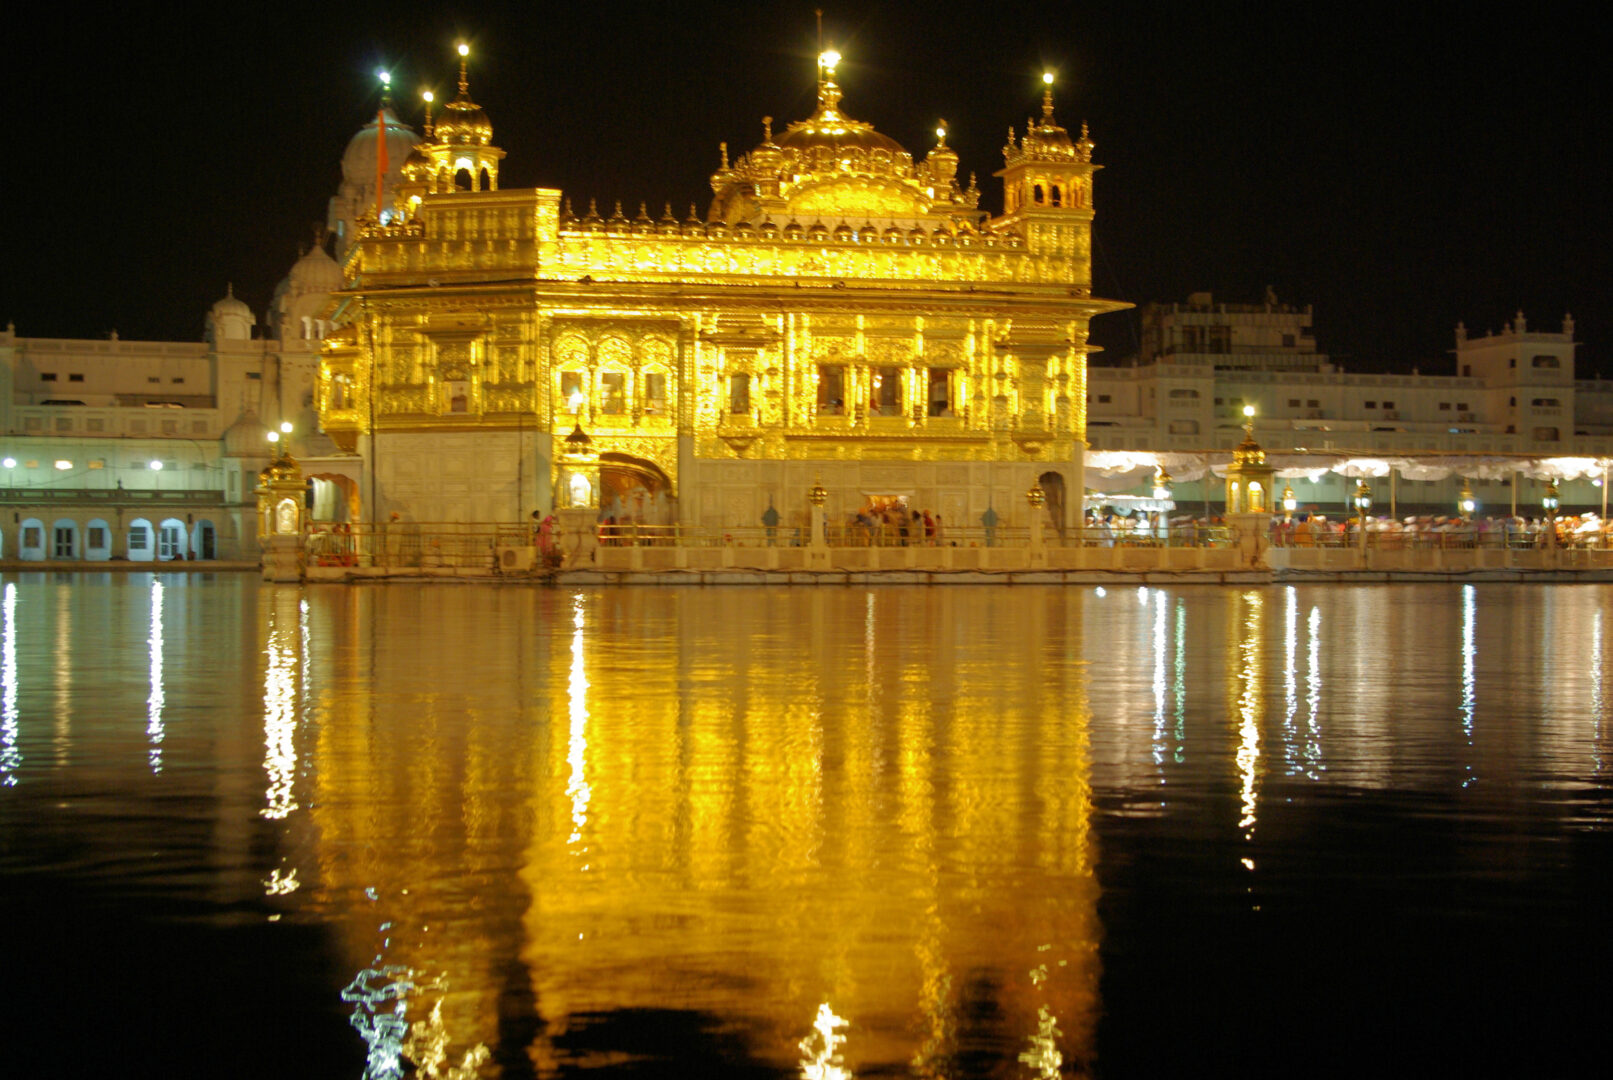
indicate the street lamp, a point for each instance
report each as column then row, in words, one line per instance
column 1465, row 502
column 1363, row 503
column 1290, row 504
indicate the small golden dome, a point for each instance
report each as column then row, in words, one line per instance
column 464, row 123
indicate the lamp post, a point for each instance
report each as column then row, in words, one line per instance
column 1363, row 503
column 1290, row 504
column 1549, row 503
column 1465, row 503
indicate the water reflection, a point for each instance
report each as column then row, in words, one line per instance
column 10, row 752
column 280, row 706
column 1250, row 703
column 154, row 700
column 1469, row 691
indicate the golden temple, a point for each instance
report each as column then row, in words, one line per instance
column 841, row 311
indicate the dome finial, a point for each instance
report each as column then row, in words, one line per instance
column 941, row 134
column 464, row 79
column 386, row 87
column 428, row 97
column 1047, row 98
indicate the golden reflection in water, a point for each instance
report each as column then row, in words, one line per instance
column 1180, row 686
column 10, row 735
column 577, row 746
column 767, row 831
column 154, row 700
column 280, row 712
column 1290, row 680
column 1160, row 641
column 1251, row 693
column 820, row 1051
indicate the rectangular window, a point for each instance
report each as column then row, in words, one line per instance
column 1388, row 404
column 1545, row 361
column 95, row 424
column 613, row 393
column 1288, row 341
column 153, row 378
column 64, row 542
column 1372, row 404
column 886, row 396
column 1312, row 403
column 75, row 377
column 1103, row 399
column 177, row 379
column 64, row 424
column 32, row 536
column 1461, row 406
column 1293, row 403
column 198, row 427
column 138, row 537
column 47, row 376
column 572, row 399
column 170, row 427
column 34, row 423
column 95, row 537
column 655, row 394
column 137, row 427
column 98, row 463
column 254, row 375
column 739, row 394
column 831, row 390
column 1445, row 405
column 940, row 396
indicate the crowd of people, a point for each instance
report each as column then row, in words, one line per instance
column 893, row 523
column 1317, row 530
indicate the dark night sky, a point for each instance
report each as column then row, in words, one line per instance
column 1399, row 169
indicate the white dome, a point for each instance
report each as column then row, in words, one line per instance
column 359, row 159
column 230, row 319
column 316, row 272
column 247, row 437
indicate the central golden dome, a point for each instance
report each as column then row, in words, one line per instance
column 831, row 167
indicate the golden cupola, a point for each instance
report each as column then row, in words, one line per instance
column 1046, row 169
column 459, row 148
column 833, row 168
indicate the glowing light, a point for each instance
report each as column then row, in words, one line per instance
column 1249, row 411
column 1043, row 1056
column 820, row 1051
column 1047, row 77
column 385, row 77
column 155, row 700
column 10, row 754
column 274, row 436
column 1101, row 591
column 579, row 489
column 428, row 96
column 577, row 750
column 275, row 885
column 285, row 426
column 464, row 50
column 828, row 60
column 63, row 464
column 156, row 466
column 10, row 463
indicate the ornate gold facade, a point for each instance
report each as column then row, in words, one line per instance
column 838, row 303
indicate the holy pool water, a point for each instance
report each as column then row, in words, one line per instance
column 253, row 830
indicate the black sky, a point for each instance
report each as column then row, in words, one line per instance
column 1399, row 169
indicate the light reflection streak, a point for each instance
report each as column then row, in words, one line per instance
column 1181, row 681
column 10, row 753
column 1598, row 702
column 820, row 1051
column 1290, row 679
column 577, row 752
column 1313, row 695
column 1160, row 638
column 155, row 700
column 279, row 725
column 1469, row 697
column 276, row 885
column 1249, row 696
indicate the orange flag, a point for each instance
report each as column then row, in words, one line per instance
column 380, row 159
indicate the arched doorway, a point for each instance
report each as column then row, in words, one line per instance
column 1052, row 485
column 64, row 539
column 334, row 498
column 204, row 540
column 172, row 541
column 31, row 540
column 634, row 491
column 97, row 541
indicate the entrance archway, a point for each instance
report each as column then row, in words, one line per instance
column 1052, row 484
column 633, row 490
column 335, row 498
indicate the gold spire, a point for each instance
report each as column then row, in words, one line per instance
column 428, row 97
column 464, row 79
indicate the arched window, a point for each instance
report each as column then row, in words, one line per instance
column 97, row 541
column 64, row 539
column 142, row 542
column 171, row 542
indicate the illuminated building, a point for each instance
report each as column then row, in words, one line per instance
column 841, row 311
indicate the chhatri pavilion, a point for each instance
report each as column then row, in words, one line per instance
column 840, row 313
